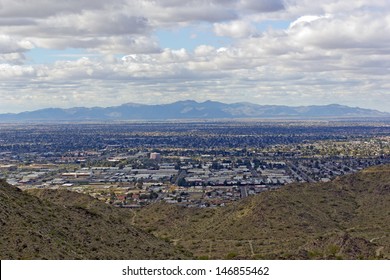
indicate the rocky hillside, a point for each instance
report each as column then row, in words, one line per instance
column 34, row 228
column 348, row 218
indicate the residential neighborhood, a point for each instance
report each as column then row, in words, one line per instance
column 117, row 170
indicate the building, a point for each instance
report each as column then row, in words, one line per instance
column 155, row 156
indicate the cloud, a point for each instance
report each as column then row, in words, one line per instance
column 102, row 26
column 331, row 51
column 16, row 72
column 12, row 58
column 10, row 44
column 234, row 29
column 90, row 23
column 45, row 8
column 347, row 31
column 204, row 51
column 170, row 12
column 264, row 6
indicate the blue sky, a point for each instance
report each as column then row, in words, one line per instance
column 48, row 56
column 286, row 52
column 190, row 37
column 172, row 38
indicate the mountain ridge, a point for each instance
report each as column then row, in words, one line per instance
column 34, row 227
column 190, row 109
column 347, row 218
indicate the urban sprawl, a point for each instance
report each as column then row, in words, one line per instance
column 192, row 164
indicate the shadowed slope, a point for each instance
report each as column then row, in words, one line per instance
column 347, row 218
column 33, row 228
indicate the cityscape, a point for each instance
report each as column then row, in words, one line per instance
column 219, row 130
column 190, row 164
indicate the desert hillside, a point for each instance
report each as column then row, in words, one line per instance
column 347, row 218
column 33, row 228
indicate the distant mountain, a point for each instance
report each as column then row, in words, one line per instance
column 190, row 109
column 72, row 226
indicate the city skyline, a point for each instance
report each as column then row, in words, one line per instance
column 291, row 52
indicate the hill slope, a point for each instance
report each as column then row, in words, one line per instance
column 33, row 228
column 193, row 110
column 348, row 218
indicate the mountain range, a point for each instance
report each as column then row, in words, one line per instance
column 190, row 109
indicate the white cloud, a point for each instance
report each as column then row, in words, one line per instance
column 331, row 51
column 234, row 29
column 90, row 23
column 113, row 26
column 10, row 44
column 8, row 71
column 353, row 31
column 12, row 58
column 204, row 51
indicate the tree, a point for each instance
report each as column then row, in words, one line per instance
column 139, row 184
column 182, row 182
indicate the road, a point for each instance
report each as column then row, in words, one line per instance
column 244, row 191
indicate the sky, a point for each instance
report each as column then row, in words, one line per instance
column 57, row 53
